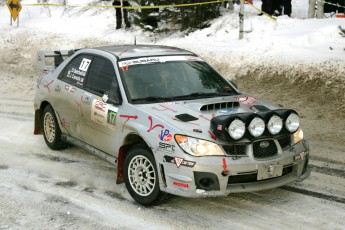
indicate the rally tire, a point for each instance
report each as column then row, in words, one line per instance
column 141, row 177
column 51, row 129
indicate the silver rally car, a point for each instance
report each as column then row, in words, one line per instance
column 168, row 121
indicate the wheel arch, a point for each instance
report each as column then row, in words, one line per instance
column 38, row 118
column 130, row 141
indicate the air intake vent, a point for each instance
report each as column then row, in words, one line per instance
column 222, row 105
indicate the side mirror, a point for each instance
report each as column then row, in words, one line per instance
column 113, row 95
column 233, row 84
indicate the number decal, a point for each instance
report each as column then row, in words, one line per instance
column 84, row 65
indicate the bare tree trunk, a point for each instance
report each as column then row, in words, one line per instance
column 320, row 8
column 311, row 12
column 241, row 15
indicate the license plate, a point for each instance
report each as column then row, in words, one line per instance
column 266, row 171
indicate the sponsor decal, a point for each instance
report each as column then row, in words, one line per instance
column 165, row 135
column 103, row 115
column 70, row 88
column 146, row 60
column 180, row 184
column 178, row 161
column 111, row 118
column 197, row 130
column 226, row 111
column 100, row 105
column 166, row 147
column 57, row 89
column 246, row 100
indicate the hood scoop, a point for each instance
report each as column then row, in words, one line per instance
column 185, row 117
column 221, row 105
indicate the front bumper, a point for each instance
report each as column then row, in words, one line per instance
column 220, row 176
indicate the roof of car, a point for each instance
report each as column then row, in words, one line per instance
column 132, row 51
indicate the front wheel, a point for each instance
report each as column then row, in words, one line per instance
column 141, row 177
column 51, row 129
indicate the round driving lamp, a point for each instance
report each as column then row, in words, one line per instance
column 275, row 125
column 292, row 122
column 237, row 129
column 256, row 127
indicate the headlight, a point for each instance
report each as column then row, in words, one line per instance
column 275, row 125
column 292, row 122
column 256, row 127
column 298, row 136
column 237, row 129
column 198, row 147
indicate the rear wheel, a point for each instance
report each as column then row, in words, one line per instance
column 141, row 177
column 51, row 130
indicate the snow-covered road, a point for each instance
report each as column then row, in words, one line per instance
column 70, row 189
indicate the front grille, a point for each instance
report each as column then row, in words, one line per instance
column 284, row 141
column 235, row 150
column 250, row 178
column 264, row 148
column 221, row 105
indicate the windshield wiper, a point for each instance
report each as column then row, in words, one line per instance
column 150, row 99
column 201, row 95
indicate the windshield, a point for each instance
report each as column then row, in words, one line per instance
column 172, row 80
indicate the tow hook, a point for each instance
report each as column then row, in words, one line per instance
column 225, row 171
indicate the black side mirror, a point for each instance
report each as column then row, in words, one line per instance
column 233, row 84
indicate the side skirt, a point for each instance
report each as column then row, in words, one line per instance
column 98, row 153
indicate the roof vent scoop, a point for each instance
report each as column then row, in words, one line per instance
column 186, row 117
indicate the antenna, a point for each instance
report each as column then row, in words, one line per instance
column 135, row 40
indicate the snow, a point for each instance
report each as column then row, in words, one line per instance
column 41, row 188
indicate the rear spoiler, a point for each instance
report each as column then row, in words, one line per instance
column 59, row 56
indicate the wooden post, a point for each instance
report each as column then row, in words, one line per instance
column 241, row 16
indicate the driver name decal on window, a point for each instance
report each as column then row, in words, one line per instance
column 84, row 65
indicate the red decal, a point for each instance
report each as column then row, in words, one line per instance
column 79, row 106
column 180, row 184
column 48, row 85
column 155, row 126
column 128, row 117
column 212, row 135
column 202, row 116
column 246, row 100
column 165, row 108
column 224, row 164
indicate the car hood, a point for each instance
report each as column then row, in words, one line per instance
column 193, row 117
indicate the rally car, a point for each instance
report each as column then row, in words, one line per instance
column 168, row 121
